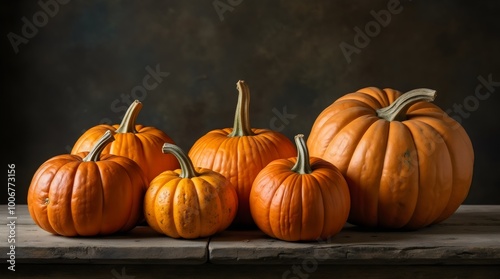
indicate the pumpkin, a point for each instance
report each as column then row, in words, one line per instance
column 239, row 153
column 189, row 202
column 87, row 194
column 137, row 142
column 407, row 163
column 300, row 199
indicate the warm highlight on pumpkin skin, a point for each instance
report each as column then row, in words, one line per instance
column 462, row 160
column 38, row 194
column 239, row 153
column 399, row 182
column 71, row 195
column 401, row 174
column 366, row 164
column 137, row 142
column 434, row 173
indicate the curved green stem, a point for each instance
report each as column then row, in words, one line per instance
column 241, row 125
column 397, row 110
column 95, row 153
column 303, row 165
column 128, row 121
column 187, row 168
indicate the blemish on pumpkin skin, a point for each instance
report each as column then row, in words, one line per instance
column 47, row 201
column 409, row 158
column 406, row 156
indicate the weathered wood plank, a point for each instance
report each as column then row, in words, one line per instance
column 474, row 215
column 142, row 244
column 20, row 212
column 470, row 236
column 480, row 245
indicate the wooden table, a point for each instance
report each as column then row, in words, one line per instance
column 467, row 245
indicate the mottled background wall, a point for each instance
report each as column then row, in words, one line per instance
column 79, row 68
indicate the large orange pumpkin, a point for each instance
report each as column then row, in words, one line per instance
column 300, row 199
column 408, row 164
column 239, row 153
column 87, row 194
column 137, row 142
column 189, row 202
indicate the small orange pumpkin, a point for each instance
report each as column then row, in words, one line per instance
column 300, row 199
column 189, row 202
column 408, row 164
column 87, row 194
column 239, row 153
column 137, row 142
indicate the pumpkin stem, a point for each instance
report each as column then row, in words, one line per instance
column 397, row 110
column 241, row 125
column 303, row 165
column 187, row 168
column 128, row 121
column 95, row 152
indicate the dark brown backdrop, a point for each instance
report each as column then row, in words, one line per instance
column 69, row 66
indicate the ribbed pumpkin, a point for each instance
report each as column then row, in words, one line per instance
column 408, row 164
column 300, row 199
column 87, row 194
column 239, row 153
column 137, row 142
column 189, row 202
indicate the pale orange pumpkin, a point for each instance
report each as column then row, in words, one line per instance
column 189, row 202
column 408, row 164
